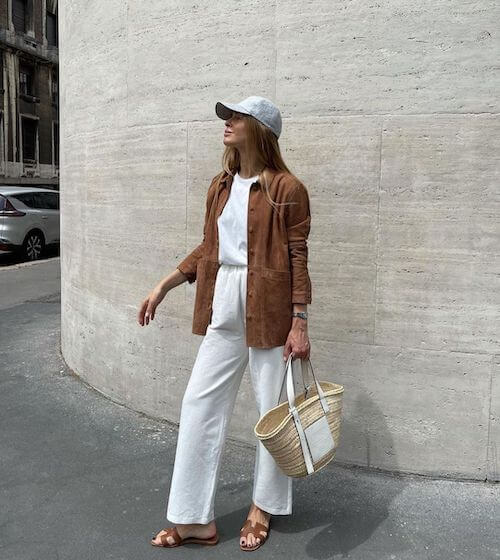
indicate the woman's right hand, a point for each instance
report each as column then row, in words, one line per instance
column 149, row 305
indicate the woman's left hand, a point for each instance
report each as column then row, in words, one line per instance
column 297, row 341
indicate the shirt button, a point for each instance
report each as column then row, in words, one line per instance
column 251, row 209
column 250, row 228
column 252, row 251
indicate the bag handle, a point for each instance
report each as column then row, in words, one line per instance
column 306, row 388
column 290, row 387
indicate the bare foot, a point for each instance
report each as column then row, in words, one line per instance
column 199, row 530
column 255, row 515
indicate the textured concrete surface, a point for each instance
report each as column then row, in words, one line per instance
column 84, row 478
column 391, row 119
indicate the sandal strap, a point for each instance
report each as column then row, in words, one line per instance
column 170, row 532
column 261, row 528
column 248, row 527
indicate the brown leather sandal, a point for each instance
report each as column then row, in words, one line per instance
column 178, row 540
column 256, row 531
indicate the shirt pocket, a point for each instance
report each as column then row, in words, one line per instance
column 206, row 273
column 276, row 299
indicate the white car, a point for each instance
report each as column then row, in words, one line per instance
column 29, row 220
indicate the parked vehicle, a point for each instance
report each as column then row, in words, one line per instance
column 29, row 220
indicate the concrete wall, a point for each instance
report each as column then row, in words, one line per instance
column 391, row 120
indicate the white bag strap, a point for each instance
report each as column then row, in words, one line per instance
column 320, row 391
column 303, row 441
column 290, row 388
column 284, row 379
column 306, row 452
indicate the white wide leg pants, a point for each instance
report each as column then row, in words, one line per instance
column 208, row 403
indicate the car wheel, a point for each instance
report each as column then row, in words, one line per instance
column 33, row 246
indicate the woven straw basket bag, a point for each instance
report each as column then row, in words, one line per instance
column 302, row 434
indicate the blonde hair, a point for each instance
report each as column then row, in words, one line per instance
column 264, row 150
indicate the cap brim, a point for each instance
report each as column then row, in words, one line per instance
column 225, row 110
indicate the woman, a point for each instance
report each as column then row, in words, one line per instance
column 251, row 300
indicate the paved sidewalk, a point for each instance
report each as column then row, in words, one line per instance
column 85, row 478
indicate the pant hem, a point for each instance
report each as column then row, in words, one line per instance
column 185, row 520
column 273, row 511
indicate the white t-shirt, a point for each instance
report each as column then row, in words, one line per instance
column 232, row 223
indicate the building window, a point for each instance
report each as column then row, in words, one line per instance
column 1, row 144
column 29, row 139
column 52, row 29
column 19, row 15
column 55, row 88
column 56, row 144
column 26, row 80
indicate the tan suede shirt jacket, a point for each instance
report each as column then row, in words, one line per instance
column 278, row 273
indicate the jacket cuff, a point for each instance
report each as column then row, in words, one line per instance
column 301, row 297
column 188, row 271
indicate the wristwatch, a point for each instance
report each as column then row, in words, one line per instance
column 301, row 314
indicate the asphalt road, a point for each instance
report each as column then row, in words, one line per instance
column 84, row 478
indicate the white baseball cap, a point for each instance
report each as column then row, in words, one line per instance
column 258, row 107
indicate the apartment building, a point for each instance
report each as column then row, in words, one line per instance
column 29, row 98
